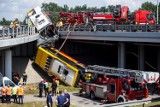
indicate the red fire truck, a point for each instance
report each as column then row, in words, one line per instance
column 116, row 84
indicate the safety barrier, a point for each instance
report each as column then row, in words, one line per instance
column 112, row 28
column 23, row 30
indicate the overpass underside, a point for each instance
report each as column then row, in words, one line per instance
column 130, row 55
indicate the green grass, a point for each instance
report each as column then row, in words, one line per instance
column 33, row 88
column 29, row 104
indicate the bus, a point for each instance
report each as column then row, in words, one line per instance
column 60, row 65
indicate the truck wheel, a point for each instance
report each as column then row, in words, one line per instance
column 120, row 99
column 92, row 95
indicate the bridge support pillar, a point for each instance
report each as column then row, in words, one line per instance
column 121, row 55
column 8, row 63
column 3, row 63
column 141, row 57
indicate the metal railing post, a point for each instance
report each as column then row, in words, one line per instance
column 3, row 32
column 17, row 31
column 8, row 31
column 28, row 30
column 13, row 32
column 20, row 31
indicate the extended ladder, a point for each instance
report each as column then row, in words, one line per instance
column 138, row 75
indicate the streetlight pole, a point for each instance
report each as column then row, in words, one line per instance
column 157, row 10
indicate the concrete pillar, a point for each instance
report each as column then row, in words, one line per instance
column 8, row 63
column 3, row 63
column 141, row 58
column 121, row 55
column 158, row 58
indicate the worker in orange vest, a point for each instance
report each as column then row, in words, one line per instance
column 8, row 94
column 3, row 94
column 20, row 94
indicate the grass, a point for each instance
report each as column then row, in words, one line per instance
column 33, row 88
column 29, row 104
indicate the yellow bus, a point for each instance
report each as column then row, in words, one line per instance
column 59, row 64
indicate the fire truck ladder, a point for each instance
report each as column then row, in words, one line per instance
column 138, row 75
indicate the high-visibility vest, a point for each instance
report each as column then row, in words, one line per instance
column 57, row 82
column 14, row 91
column 3, row 91
column 46, row 85
column 20, row 91
column 8, row 91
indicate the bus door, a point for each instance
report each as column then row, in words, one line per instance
column 111, row 93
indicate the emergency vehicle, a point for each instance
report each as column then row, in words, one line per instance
column 117, row 84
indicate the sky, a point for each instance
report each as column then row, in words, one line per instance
column 11, row 9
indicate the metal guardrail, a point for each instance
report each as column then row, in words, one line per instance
column 112, row 28
column 21, row 31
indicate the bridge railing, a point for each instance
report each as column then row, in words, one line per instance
column 112, row 28
column 7, row 32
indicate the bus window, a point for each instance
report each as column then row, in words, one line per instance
column 60, row 69
column 65, row 73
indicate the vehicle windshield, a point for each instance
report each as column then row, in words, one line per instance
column 9, row 82
column 150, row 16
column 136, row 86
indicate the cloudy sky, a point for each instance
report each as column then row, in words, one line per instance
column 11, row 9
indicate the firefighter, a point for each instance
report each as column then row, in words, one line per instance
column 3, row 94
column 8, row 94
column 14, row 94
column 20, row 94
column 59, row 24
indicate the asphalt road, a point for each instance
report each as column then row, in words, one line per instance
column 84, row 101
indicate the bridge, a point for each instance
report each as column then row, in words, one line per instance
column 13, row 37
column 121, row 34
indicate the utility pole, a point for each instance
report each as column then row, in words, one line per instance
column 157, row 10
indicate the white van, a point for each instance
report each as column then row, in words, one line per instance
column 4, row 81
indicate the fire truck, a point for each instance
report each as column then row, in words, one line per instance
column 117, row 84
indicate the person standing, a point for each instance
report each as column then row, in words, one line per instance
column 45, row 87
column 24, row 78
column 67, row 96
column 49, row 100
column 14, row 94
column 57, row 88
column 3, row 94
column 8, row 94
column 61, row 100
column 41, row 88
column 54, row 86
column 20, row 94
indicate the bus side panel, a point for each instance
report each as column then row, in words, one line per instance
column 38, row 56
column 60, row 70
